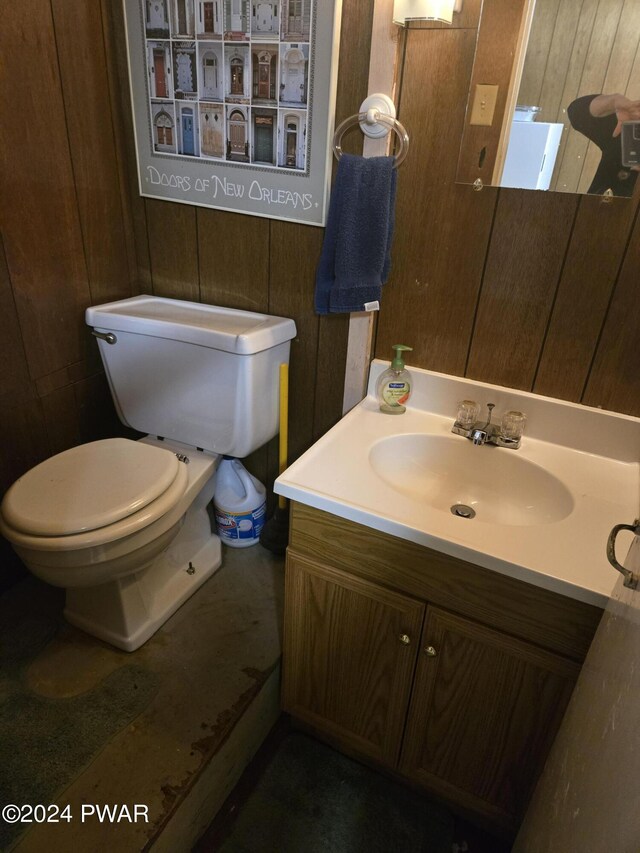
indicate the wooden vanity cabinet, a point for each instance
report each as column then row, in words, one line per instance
column 351, row 654
column 484, row 711
column 451, row 676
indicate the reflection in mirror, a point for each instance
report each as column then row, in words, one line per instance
column 579, row 81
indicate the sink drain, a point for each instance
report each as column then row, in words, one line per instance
column 463, row 511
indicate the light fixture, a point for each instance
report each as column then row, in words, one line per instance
column 425, row 10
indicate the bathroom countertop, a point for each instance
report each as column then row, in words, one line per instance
column 594, row 454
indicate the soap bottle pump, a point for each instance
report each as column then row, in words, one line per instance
column 393, row 387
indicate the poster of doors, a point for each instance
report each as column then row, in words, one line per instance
column 233, row 102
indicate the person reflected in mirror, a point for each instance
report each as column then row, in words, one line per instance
column 599, row 118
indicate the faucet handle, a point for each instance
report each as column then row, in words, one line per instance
column 467, row 413
column 512, row 426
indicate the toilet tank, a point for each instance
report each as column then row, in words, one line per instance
column 198, row 374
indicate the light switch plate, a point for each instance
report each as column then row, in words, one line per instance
column 484, row 104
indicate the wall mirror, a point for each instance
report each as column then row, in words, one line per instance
column 533, row 59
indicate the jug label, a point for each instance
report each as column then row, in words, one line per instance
column 240, row 525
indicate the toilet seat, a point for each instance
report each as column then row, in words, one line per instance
column 92, row 494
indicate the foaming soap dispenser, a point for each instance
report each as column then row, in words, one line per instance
column 393, row 387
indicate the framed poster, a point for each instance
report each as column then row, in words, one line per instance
column 233, row 102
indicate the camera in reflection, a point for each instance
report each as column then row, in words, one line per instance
column 630, row 144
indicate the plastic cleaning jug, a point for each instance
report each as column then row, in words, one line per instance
column 239, row 502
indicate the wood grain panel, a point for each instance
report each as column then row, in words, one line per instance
column 559, row 59
column 436, row 275
column 624, row 53
column 97, row 417
column 133, row 203
column 436, row 73
column 442, row 229
column 61, row 419
column 14, row 377
column 528, row 245
column 342, row 643
column 633, row 90
column 294, row 253
column 614, row 382
column 539, row 47
column 22, row 429
column 83, row 72
column 173, row 246
column 458, row 738
column 72, row 373
column 80, row 412
column 353, row 66
column 233, row 258
column 333, row 334
column 43, row 241
column 500, row 26
column 572, row 145
column 22, row 424
column 560, row 623
column 577, row 317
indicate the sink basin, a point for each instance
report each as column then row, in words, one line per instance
column 540, row 514
column 443, row 471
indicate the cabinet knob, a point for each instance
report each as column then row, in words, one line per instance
column 430, row 651
column 405, row 639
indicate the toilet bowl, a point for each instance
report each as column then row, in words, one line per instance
column 126, row 526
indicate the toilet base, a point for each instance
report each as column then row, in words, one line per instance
column 126, row 612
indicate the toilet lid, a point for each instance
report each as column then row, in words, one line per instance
column 89, row 487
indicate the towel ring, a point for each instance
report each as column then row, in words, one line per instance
column 376, row 118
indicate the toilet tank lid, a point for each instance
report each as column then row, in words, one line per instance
column 227, row 329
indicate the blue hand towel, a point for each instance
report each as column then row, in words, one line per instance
column 355, row 258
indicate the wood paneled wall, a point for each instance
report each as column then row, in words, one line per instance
column 532, row 290
column 579, row 47
column 501, row 26
column 65, row 229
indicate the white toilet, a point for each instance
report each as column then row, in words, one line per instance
column 124, row 525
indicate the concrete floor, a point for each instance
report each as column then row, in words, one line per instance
column 217, row 660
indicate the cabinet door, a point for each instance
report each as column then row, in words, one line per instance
column 483, row 715
column 350, row 648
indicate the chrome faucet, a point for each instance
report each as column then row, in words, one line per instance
column 481, row 434
column 509, row 434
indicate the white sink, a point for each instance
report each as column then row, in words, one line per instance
column 444, row 471
column 543, row 513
